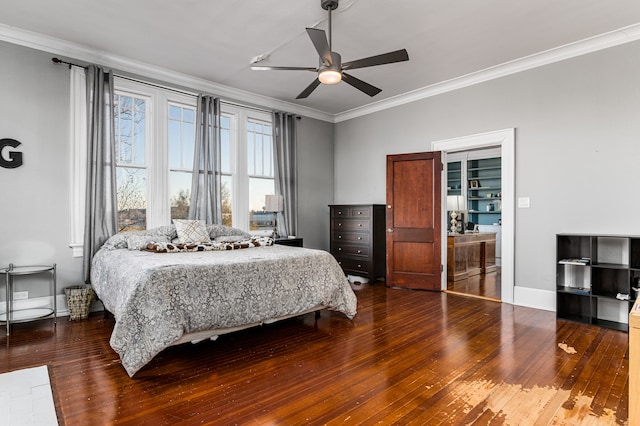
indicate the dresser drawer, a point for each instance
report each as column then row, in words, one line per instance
column 348, row 249
column 350, row 224
column 357, row 267
column 351, row 237
column 351, row 212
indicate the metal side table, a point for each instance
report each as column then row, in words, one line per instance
column 28, row 314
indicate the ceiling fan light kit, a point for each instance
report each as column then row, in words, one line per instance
column 331, row 69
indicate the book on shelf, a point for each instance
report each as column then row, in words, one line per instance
column 576, row 261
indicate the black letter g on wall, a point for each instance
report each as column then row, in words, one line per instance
column 15, row 157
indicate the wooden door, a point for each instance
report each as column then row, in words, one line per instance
column 413, row 220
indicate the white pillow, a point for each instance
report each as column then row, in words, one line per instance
column 192, row 231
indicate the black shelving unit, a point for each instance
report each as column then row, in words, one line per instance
column 595, row 278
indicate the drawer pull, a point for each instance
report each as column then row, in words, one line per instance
column 339, row 212
column 339, row 236
column 359, row 238
column 359, row 212
column 339, row 248
column 359, row 251
column 360, row 225
column 359, row 266
column 339, row 224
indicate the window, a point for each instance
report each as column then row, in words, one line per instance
column 155, row 140
column 260, row 172
column 181, row 137
column 130, row 120
column 247, row 167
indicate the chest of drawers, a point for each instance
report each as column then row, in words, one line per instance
column 358, row 239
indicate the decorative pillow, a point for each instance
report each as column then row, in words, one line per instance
column 138, row 242
column 262, row 233
column 192, row 231
column 230, row 238
column 223, row 230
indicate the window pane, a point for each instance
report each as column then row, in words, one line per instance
column 131, row 198
column 139, row 104
column 258, row 189
column 130, row 123
column 180, row 194
column 189, row 115
column 174, row 112
column 225, row 144
column 259, row 158
column 174, row 144
column 225, row 193
column 181, row 137
column 139, row 137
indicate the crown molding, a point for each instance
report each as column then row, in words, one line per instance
column 582, row 47
column 82, row 53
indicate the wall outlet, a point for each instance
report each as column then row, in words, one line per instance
column 20, row 295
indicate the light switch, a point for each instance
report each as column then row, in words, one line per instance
column 524, row 202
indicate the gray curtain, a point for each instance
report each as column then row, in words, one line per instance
column 101, row 210
column 206, row 202
column 286, row 176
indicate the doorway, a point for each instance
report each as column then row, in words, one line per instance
column 504, row 140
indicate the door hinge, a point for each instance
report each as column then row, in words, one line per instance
column 441, row 268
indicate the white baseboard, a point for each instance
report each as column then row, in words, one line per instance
column 534, row 298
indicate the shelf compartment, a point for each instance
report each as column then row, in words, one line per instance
column 609, row 281
column 573, row 276
column 573, row 247
column 611, row 324
column 610, row 251
column 575, row 307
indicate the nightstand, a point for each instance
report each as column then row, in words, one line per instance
column 20, row 315
column 294, row 242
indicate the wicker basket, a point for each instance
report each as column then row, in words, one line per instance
column 79, row 300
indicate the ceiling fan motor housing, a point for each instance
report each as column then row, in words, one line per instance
column 329, row 4
column 336, row 63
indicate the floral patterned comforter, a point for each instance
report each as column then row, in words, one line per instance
column 157, row 297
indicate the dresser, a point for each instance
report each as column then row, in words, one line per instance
column 358, row 239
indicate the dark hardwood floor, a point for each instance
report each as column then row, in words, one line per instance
column 487, row 286
column 411, row 357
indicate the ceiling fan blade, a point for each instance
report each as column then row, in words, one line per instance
column 360, row 85
column 310, row 88
column 385, row 58
column 319, row 40
column 268, row 68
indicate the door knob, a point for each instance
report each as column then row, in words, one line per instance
column 390, row 230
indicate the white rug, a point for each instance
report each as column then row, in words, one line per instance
column 26, row 398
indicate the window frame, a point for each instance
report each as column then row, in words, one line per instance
column 158, row 208
column 240, row 202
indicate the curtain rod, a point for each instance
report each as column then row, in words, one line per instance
column 124, row 77
column 60, row 61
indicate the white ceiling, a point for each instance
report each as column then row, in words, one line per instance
column 215, row 40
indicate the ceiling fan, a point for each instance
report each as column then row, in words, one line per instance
column 331, row 69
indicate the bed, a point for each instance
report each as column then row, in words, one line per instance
column 163, row 293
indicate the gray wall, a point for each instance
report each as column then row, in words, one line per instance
column 35, row 200
column 577, row 151
column 315, row 170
